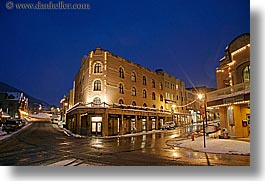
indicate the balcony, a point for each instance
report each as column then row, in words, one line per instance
column 228, row 92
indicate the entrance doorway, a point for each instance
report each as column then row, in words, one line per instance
column 96, row 127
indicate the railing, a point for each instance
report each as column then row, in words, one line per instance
column 238, row 89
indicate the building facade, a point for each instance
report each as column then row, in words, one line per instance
column 14, row 104
column 113, row 96
column 232, row 96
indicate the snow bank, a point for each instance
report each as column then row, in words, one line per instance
column 227, row 146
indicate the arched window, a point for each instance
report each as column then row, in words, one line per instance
column 154, row 106
column 121, row 89
column 144, row 94
column 97, row 100
column 97, row 85
column 98, row 68
column 153, row 83
column 133, row 77
column 161, row 108
column 144, row 80
column 133, row 103
column 246, row 74
column 121, row 101
column 121, row 72
column 144, row 105
column 153, row 96
column 161, row 97
column 133, row 91
column 161, row 86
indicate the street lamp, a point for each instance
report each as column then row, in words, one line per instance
column 203, row 97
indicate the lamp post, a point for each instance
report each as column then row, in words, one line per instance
column 203, row 96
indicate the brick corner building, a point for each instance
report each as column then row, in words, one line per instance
column 113, row 96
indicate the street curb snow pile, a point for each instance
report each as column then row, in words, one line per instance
column 214, row 145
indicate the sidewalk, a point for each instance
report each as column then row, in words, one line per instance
column 214, row 145
column 239, row 146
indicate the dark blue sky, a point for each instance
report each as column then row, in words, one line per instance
column 41, row 50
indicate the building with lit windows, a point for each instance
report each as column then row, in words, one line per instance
column 114, row 96
column 232, row 96
column 14, row 104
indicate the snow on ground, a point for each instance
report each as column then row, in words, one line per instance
column 40, row 116
column 4, row 135
column 227, row 146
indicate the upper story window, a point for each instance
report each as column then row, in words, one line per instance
column 97, row 85
column 161, row 97
column 161, row 86
column 144, row 94
column 133, row 103
column 98, row 68
column 144, row 105
column 144, row 80
column 153, row 83
column 121, row 89
column 153, row 96
column 133, row 91
column 121, row 72
column 133, row 77
column 246, row 74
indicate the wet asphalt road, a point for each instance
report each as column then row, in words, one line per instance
column 43, row 143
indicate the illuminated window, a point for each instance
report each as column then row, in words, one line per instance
column 153, row 96
column 98, row 68
column 161, row 86
column 144, row 80
column 144, row 94
column 133, row 91
column 121, row 72
column 97, row 85
column 246, row 74
column 153, row 83
column 133, row 77
column 121, row 89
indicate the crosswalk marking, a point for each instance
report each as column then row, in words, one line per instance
column 74, row 162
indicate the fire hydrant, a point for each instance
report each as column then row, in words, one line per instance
column 192, row 136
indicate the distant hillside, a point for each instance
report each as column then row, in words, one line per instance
column 7, row 88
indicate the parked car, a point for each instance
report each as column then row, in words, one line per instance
column 11, row 125
column 168, row 125
column 21, row 122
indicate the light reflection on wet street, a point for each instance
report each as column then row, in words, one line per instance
column 44, row 144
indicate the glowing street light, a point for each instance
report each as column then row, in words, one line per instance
column 203, row 97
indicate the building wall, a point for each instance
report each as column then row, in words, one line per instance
column 172, row 90
column 163, row 92
column 230, row 74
